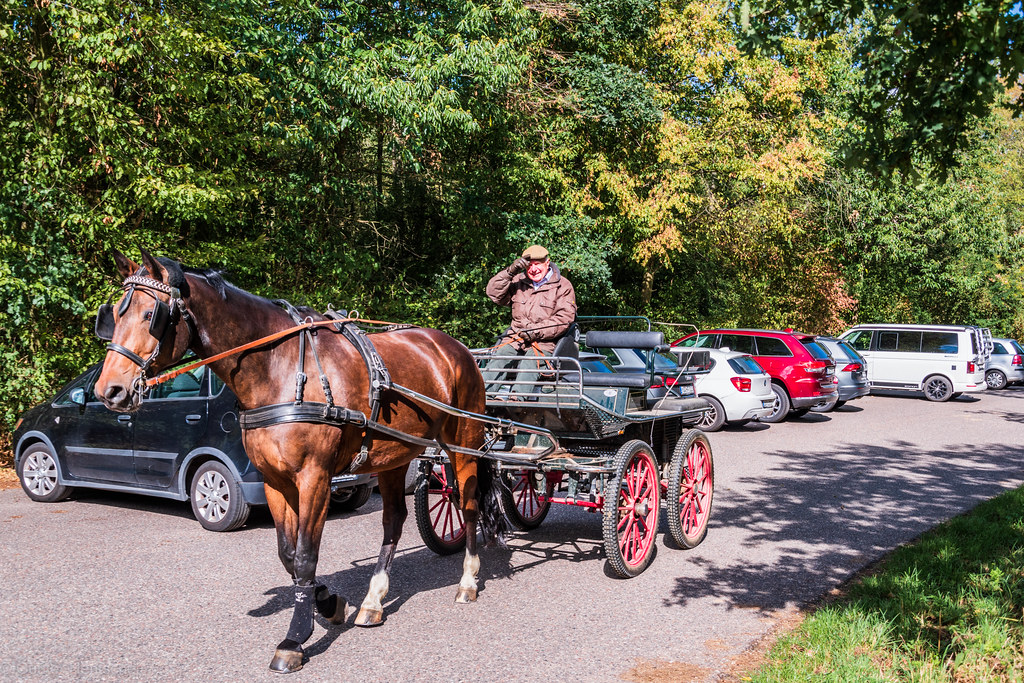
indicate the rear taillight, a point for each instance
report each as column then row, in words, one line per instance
column 657, row 383
column 741, row 383
column 815, row 366
column 853, row 367
column 670, row 381
column 970, row 368
column 1016, row 360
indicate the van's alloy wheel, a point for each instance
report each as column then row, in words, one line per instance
column 938, row 388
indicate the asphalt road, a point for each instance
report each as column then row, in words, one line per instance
column 114, row 587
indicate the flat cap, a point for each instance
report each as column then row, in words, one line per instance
column 535, row 253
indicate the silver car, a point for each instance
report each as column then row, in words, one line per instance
column 1004, row 366
column 851, row 372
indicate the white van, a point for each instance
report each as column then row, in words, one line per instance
column 943, row 361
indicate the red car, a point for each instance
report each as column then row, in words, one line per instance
column 802, row 371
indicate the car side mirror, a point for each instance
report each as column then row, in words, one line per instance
column 78, row 396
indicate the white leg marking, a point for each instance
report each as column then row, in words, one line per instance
column 470, row 569
column 378, row 589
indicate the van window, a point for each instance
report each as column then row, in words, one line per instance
column 939, row 342
column 899, row 341
column 743, row 343
column 860, row 340
column 770, row 346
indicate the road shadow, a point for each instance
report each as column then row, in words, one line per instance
column 822, row 515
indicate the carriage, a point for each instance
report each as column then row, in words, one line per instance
column 558, row 434
column 599, row 441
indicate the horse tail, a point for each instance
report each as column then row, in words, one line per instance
column 493, row 526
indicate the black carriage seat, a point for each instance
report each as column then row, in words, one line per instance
column 644, row 341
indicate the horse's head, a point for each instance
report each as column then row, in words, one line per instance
column 142, row 329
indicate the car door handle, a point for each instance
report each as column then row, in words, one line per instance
column 124, row 418
column 193, row 419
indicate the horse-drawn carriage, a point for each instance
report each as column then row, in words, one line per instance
column 565, row 436
column 594, row 440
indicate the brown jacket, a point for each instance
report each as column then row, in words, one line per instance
column 549, row 309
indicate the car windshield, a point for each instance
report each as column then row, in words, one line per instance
column 745, row 365
column 596, row 365
column 662, row 361
column 699, row 341
column 816, row 350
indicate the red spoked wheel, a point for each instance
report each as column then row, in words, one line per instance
column 520, row 497
column 631, row 508
column 438, row 513
column 691, row 488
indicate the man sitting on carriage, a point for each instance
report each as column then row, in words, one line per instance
column 543, row 305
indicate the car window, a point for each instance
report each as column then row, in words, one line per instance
column 1017, row 347
column 939, row 342
column 851, row 352
column 860, row 340
column 84, row 382
column 596, row 365
column 999, row 348
column 186, row 385
column 744, row 343
column 816, row 350
column 745, row 365
column 216, row 384
column 771, row 346
column 702, row 341
column 664, row 362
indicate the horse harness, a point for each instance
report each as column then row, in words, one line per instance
column 164, row 318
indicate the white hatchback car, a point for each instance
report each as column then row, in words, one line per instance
column 738, row 389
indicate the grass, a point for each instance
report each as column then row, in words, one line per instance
column 949, row 607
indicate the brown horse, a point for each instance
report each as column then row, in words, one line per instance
column 168, row 309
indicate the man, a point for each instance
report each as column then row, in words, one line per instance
column 543, row 307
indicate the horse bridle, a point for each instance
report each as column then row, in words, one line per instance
column 163, row 321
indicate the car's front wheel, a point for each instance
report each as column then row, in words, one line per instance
column 37, row 471
column 216, row 498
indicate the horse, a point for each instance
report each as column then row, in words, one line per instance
column 168, row 309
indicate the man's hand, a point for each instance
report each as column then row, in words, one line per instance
column 518, row 266
column 528, row 336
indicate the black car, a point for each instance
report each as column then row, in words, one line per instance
column 183, row 443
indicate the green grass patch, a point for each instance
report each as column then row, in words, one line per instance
column 948, row 607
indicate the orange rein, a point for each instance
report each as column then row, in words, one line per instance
column 160, row 379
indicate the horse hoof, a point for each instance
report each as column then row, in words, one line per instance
column 369, row 617
column 465, row 595
column 286, row 661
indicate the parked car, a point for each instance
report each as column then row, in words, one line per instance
column 184, row 443
column 851, row 372
column 1006, row 364
column 634, row 361
column 738, row 389
column 942, row 361
column 802, row 372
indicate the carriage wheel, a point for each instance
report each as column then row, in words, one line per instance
column 631, row 501
column 691, row 487
column 520, row 497
column 438, row 515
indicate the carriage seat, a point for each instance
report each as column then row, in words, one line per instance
column 607, row 379
column 645, row 341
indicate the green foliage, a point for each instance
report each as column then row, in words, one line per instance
column 391, row 157
column 932, row 72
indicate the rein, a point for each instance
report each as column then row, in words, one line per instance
column 263, row 341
